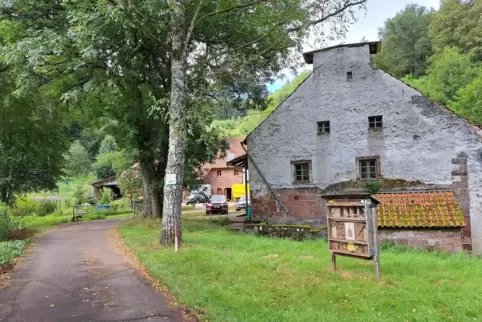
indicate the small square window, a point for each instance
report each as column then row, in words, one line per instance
column 349, row 75
column 236, row 172
column 375, row 122
column 301, row 171
column 324, row 127
column 369, row 167
column 219, row 173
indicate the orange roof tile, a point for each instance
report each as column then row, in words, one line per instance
column 419, row 209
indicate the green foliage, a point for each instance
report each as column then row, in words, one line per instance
column 469, row 101
column 120, row 204
column 96, row 216
column 373, row 186
column 105, row 197
column 24, row 206
column 7, row 226
column 78, row 162
column 458, row 24
column 449, row 72
column 111, row 164
column 45, row 208
column 10, row 250
column 406, row 46
column 31, row 139
column 108, row 145
column 103, row 166
column 81, row 196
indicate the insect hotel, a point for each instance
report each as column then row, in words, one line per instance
column 352, row 228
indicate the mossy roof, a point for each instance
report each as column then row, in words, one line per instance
column 419, row 209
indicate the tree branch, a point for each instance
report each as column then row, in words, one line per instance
column 322, row 19
column 191, row 27
column 239, row 6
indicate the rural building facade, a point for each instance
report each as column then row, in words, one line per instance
column 352, row 128
column 219, row 175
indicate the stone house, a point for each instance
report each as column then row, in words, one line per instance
column 352, row 128
column 219, row 175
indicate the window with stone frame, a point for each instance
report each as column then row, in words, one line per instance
column 301, row 171
column 368, row 167
column 236, row 172
column 219, row 173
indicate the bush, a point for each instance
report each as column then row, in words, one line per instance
column 81, row 196
column 105, row 197
column 96, row 216
column 11, row 249
column 24, row 206
column 7, row 226
column 120, row 204
column 45, row 208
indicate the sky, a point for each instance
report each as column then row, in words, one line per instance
column 367, row 26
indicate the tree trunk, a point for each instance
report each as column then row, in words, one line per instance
column 177, row 132
column 146, row 190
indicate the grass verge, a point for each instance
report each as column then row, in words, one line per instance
column 235, row 277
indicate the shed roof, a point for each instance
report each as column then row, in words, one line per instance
column 437, row 209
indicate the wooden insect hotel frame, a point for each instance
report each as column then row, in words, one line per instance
column 352, row 228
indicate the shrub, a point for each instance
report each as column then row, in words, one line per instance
column 96, row 216
column 81, row 196
column 120, row 204
column 24, row 206
column 45, row 208
column 105, row 197
column 7, row 226
column 11, row 249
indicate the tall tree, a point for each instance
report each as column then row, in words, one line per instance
column 405, row 43
column 78, row 162
column 235, row 37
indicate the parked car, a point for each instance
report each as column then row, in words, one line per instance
column 241, row 204
column 199, row 194
column 217, row 204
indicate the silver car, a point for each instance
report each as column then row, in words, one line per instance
column 241, row 204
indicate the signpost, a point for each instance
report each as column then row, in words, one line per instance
column 170, row 179
column 352, row 228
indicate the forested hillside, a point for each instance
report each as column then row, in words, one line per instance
column 439, row 53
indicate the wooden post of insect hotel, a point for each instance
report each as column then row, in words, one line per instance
column 352, row 228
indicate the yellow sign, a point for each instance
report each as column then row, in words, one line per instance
column 238, row 190
column 331, row 202
column 351, row 247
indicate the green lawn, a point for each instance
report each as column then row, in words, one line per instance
column 235, row 277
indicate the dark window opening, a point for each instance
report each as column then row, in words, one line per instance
column 219, row 173
column 349, row 75
column 375, row 122
column 236, row 172
column 301, row 171
column 323, row 127
column 368, row 169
